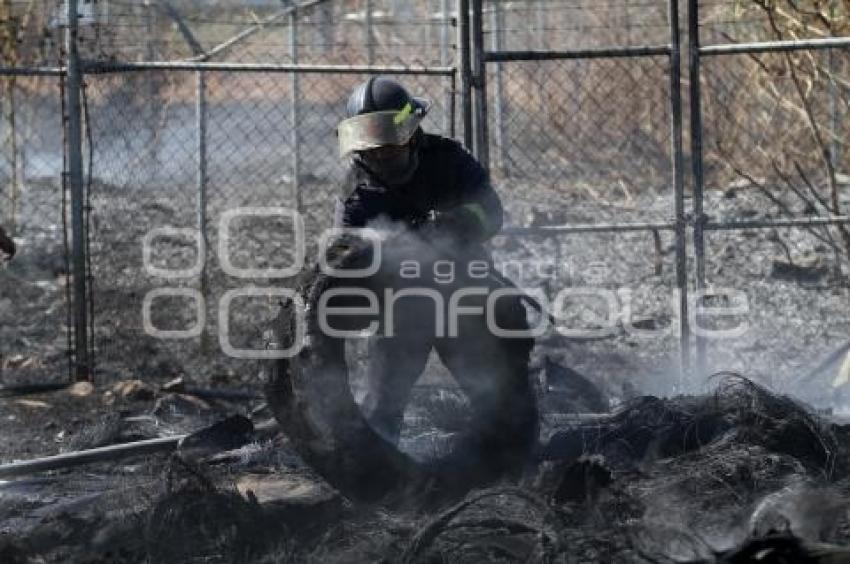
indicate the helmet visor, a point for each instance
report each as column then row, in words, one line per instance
column 378, row 129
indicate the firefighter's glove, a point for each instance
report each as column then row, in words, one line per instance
column 467, row 223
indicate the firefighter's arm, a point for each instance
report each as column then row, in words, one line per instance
column 476, row 220
column 477, row 214
column 363, row 204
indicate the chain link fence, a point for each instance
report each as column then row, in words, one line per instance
column 196, row 109
column 585, row 137
column 249, row 161
column 374, row 32
column 33, row 312
column 33, row 288
column 774, row 150
column 580, row 134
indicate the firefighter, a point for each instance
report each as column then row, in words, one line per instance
column 431, row 184
column 7, row 246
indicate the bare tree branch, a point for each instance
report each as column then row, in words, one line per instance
column 814, row 127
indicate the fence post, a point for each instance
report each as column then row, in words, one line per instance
column 498, row 25
column 540, row 71
column 153, row 90
column 9, row 57
column 696, row 164
column 295, row 86
column 325, row 15
column 367, row 26
column 11, row 145
column 82, row 370
column 444, row 61
column 679, row 188
column 201, row 183
column 835, row 123
column 427, row 30
column 465, row 79
column 479, row 83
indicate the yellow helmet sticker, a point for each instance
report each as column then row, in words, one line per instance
column 403, row 114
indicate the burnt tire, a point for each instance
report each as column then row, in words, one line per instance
column 310, row 396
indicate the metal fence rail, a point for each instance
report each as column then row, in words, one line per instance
column 582, row 54
column 101, row 68
column 775, row 46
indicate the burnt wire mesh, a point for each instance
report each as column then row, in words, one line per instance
column 33, row 312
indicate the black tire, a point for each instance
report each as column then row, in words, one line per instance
column 310, row 396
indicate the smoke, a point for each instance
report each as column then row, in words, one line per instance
column 808, row 511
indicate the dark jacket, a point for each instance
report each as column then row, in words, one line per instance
column 448, row 180
column 7, row 245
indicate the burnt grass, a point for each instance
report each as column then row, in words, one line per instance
column 655, row 480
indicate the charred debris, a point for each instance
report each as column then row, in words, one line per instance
column 738, row 475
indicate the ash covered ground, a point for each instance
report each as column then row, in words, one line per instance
column 677, row 480
column 658, row 477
